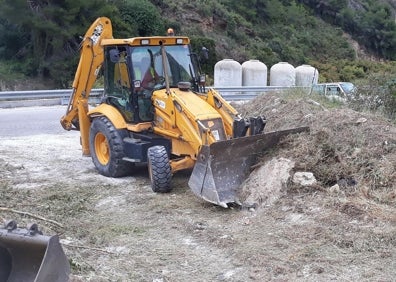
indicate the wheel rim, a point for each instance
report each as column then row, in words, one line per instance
column 102, row 148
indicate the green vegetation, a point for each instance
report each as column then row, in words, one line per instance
column 370, row 22
column 44, row 43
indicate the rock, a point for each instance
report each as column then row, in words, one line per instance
column 266, row 183
column 361, row 120
column 334, row 189
column 304, row 178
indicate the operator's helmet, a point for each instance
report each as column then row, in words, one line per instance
column 170, row 32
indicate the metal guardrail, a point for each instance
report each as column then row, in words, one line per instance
column 241, row 93
column 42, row 94
column 225, row 89
column 62, row 96
column 10, row 99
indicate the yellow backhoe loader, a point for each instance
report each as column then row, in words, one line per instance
column 155, row 110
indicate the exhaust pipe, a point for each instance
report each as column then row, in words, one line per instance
column 27, row 255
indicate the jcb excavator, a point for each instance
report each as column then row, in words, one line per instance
column 155, row 110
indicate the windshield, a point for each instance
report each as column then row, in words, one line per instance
column 347, row 87
column 148, row 59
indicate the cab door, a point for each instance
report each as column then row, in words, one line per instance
column 118, row 90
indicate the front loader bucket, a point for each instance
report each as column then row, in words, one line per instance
column 222, row 166
column 26, row 255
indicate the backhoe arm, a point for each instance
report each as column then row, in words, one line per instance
column 91, row 60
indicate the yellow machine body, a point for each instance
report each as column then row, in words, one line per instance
column 156, row 110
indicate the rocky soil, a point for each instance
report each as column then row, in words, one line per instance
column 339, row 227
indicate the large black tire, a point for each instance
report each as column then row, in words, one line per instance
column 159, row 169
column 107, row 148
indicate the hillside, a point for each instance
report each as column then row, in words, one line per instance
column 298, row 31
column 341, row 38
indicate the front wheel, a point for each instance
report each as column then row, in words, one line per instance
column 159, row 169
column 107, row 148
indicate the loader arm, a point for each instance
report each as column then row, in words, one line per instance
column 227, row 112
column 91, row 60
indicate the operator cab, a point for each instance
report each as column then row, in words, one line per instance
column 138, row 67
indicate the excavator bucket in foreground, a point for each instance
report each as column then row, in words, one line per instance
column 222, row 166
column 26, row 255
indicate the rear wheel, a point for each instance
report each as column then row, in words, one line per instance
column 107, row 148
column 159, row 169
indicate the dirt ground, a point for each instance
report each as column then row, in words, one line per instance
column 342, row 228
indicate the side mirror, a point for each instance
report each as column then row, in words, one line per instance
column 204, row 56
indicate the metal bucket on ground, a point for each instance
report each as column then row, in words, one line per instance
column 27, row 255
column 222, row 166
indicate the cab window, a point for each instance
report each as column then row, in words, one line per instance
column 117, row 81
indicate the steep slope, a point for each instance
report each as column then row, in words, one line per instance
column 298, row 32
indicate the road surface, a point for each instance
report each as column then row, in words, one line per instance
column 31, row 121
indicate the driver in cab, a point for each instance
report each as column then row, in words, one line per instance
column 145, row 80
column 146, row 73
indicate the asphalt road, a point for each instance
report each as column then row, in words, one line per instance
column 31, row 121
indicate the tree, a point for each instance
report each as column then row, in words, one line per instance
column 52, row 30
column 380, row 30
column 143, row 17
column 12, row 38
